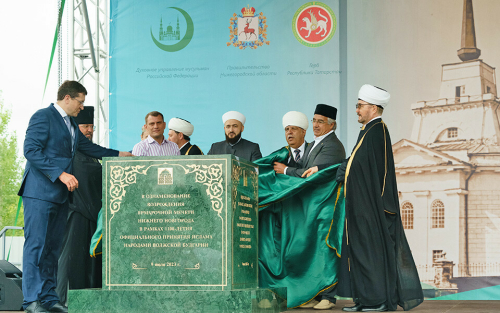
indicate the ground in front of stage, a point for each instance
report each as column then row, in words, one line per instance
column 429, row 306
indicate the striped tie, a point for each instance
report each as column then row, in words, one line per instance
column 297, row 155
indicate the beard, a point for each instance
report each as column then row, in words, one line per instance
column 233, row 140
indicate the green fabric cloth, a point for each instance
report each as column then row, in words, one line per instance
column 96, row 241
column 301, row 223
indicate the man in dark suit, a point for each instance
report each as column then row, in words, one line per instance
column 52, row 138
column 234, row 124
column 295, row 125
column 179, row 132
column 326, row 147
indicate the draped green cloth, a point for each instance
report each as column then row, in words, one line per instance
column 300, row 230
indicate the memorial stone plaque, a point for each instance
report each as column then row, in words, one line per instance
column 180, row 223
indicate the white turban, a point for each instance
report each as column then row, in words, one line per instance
column 374, row 95
column 181, row 126
column 233, row 115
column 295, row 118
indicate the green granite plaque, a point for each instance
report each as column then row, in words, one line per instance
column 180, row 223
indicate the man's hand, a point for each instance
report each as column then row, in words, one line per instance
column 310, row 171
column 124, row 154
column 69, row 180
column 279, row 168
column 340, row 177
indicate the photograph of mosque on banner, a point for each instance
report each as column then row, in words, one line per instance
column 438, row 59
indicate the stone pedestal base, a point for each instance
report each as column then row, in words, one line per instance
column 110, row 301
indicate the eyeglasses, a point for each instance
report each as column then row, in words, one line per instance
column 359, row 105
column 318, row 121
column 81, row 102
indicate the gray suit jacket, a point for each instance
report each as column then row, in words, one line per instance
column 243, row 149
column 329, row 151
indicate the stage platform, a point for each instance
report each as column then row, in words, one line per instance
column 428, row 306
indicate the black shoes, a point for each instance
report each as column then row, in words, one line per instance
column 58, row 307
column 35, row 307
column 377, row 308
column 361, row 308
column 356, row 308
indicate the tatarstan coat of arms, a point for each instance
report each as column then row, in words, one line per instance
column 248, row 30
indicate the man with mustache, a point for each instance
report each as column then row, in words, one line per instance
column 295, row 125
column 377, row 269
column 326, row 149
column 77, row 270
column 234, row 124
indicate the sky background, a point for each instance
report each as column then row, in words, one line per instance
column 397, row 45
column 26, row 33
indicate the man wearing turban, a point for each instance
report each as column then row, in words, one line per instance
column 180, row 132
column 234, row 124
column 326, row 149
column 377, row 268
column 295, row 125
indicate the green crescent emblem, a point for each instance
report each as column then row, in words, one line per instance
column 184, row 41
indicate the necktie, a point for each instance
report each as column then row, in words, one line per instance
column 297, row 155
column 70, row 129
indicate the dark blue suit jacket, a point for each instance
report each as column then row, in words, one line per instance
column 47, row 148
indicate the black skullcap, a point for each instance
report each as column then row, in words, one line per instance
column 86, row 116
column 326, row 110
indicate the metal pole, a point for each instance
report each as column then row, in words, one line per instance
column 89, row 34
column 96, row 65
column 3, row 234
column 104, row 80
column 71, row 40
column 3, row 247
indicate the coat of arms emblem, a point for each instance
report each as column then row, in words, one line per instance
column 248, row 30
column 314, row 24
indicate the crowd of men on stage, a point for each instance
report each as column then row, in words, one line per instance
column 61, row 191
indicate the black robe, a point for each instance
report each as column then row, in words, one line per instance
column 76, row 268
column 190, row 149
column 242, row 149
column 379, row 261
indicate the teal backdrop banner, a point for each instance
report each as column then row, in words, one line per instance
column 199, row 59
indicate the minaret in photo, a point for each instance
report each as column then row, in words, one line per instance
column 448, row 172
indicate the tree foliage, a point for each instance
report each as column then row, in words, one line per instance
column 10, row 173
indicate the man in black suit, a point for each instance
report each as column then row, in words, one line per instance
column 326, row 147
column 179, row 132
column 234, row 124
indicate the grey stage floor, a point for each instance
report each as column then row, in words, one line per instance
column 438, row 306
column 426, row 307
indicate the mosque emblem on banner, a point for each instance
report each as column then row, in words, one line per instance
column 173, row 34
column 314, row 24
column 165, row 176
column 248, row 30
